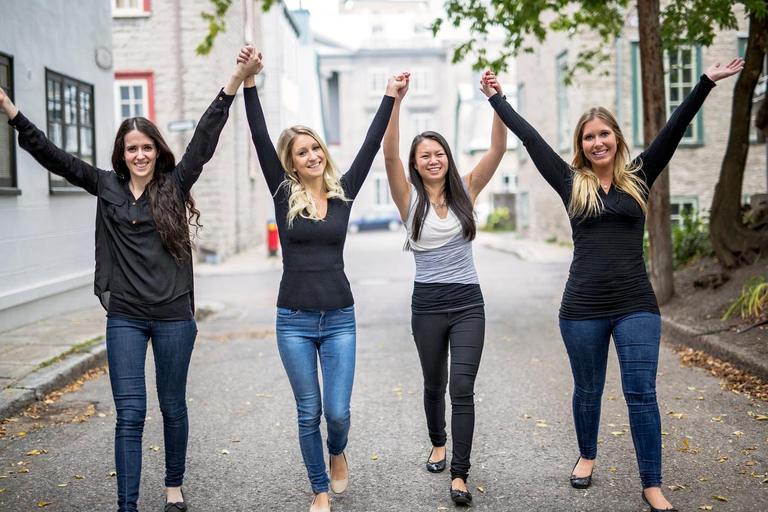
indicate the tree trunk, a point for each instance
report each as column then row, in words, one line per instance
column 654, row 116
column 733, row 243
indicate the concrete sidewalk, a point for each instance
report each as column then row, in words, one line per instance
column 38, row 358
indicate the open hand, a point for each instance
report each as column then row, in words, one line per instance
column 489, row 84
column 716, row 72
column 250, row 61
column 397, row 85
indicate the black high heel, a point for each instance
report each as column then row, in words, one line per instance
column 435, row 467
column 654, row 509
column 581, row 482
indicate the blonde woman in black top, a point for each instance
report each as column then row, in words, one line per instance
column 315, row 307
column 143, row 272
column 608, row 293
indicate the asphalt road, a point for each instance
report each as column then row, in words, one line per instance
column 244, row 453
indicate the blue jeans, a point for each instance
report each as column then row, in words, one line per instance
column 172, row 344
column 636, row 337
column 302, row 335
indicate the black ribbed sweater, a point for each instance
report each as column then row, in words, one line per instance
column 313, row 250
column 607, row 275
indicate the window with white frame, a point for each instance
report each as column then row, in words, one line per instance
column 381, row 190
column 70, row 116
column 131, row 99
column 421, row 122
column 7, row 139
column 130, row 8
column 563, row 121
column 678, row 206
column 755, row 135
column 420, row 81
column 377, row 81
column 682, row 69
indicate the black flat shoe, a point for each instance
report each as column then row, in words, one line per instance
column 435, row 467
column 179, row 506
column 581, row 482
column 654, row 509
column 461, row 497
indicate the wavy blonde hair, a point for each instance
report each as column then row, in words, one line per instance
column 584, row 197
column 300, row 201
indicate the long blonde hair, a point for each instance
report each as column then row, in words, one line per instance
column 584, row 196
column 300, row 201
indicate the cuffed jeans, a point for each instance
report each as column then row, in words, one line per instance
column 172, row 344
column 302, row 336
column 636, row 337
column 463, row 332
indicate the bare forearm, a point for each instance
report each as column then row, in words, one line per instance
column 498, row 136
column 234, row 81
column 9, row 108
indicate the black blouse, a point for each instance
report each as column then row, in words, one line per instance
column 131, row 261
column 607, row 275
column 313, row 251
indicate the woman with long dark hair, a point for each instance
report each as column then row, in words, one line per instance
column 143, row 272
column 608, row 292
column 448, row 314
column 315, row 307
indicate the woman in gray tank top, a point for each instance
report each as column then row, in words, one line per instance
column 447, row 305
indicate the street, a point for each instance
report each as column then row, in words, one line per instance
column 243, row 450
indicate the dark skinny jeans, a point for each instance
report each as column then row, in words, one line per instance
column 172, row 344
column 636, row 337
column 463, row 332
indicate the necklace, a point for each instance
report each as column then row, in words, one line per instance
column 436, row 205
column 605, row 186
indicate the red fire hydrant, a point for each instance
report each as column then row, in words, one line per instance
column 273, row 241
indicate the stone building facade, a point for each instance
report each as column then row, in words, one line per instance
column 553, row 110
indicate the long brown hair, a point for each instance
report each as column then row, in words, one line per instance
column 455, row 197
column 584, row 197
column 168, row 212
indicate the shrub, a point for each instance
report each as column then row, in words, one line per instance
column 751, row 302
column 500, row 220
column 690, row 240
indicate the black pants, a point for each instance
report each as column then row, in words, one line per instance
column 464, row 333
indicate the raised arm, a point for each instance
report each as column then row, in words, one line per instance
column 354, row 178
column 549, row 164
column 658, row 154
column 486, row 167
column 47, row 154
column 399, row 187
column 203, row 144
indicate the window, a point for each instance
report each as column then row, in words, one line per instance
column 508, row 182
column 755, row 135
column 134, row 96
column 69, row 107
column 681, row 74
column 383, row 196
column 130, row 8
column 377, row 81
column 678, row 205
column 7, row 139
column 333, row 114
column 563, row 123
column 420, row 82
column 421, row 122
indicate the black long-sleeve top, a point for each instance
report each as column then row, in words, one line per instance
column 313, row 251
column 131, row 262
column 607, row 275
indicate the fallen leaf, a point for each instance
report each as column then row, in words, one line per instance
column 612, row 470
column 2, row 489
column 739, row 433
column 761, row 417
column 225, row 452
column 23, row 470
column 63, row 485
column 722, row 459
column 705, row 507
column 442, row 508
column 22, row 433
column 102, row 415
column 750, row 463
column 154, row 448
column 112, row 473
column 374, row 457
column 600, row 441
column 703, row 479
column 527, row 416
column 675, row 487
column 717, row 418
column 719, row 498
column 44, row 504
column 691, row 388
column 618, row 433
column 37, row 452
column 78, row 477
column 481, row 489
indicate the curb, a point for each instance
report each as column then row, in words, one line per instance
column 714, row 346
column 39, row 383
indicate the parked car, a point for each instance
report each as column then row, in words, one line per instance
column 376, row 220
